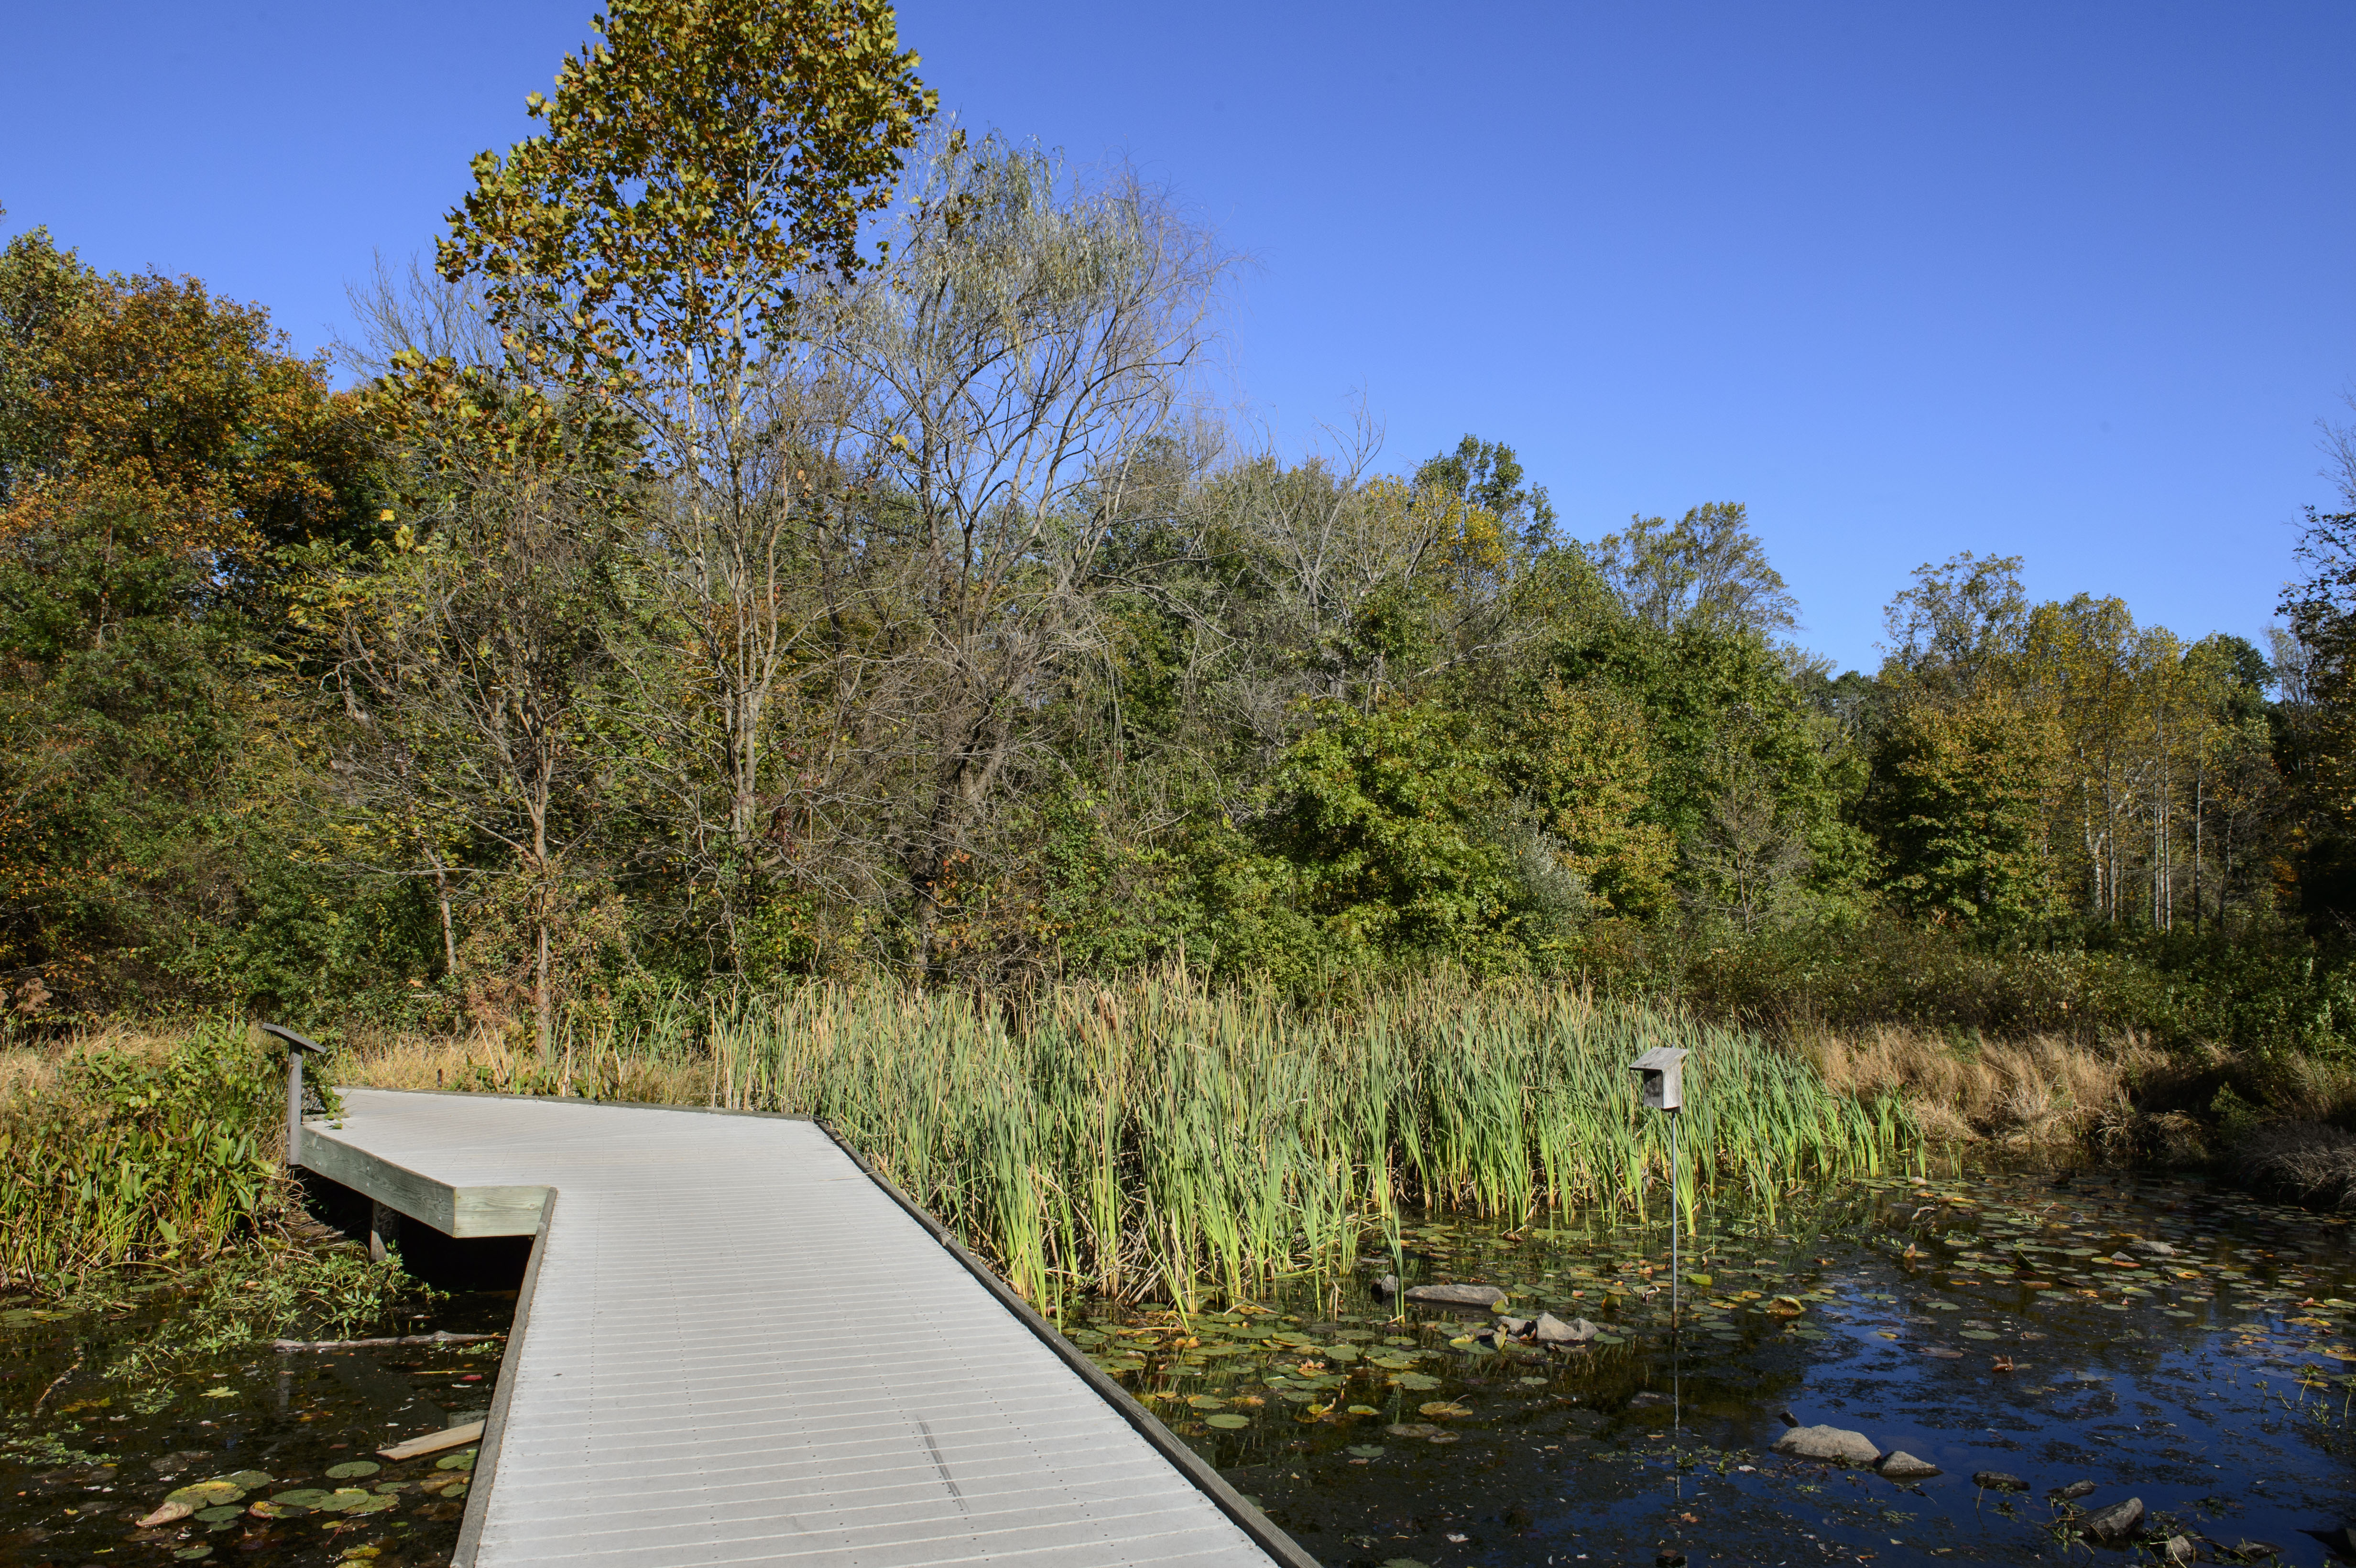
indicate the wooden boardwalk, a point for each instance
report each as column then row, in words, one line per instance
column 735, row 1345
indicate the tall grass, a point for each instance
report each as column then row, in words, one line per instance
column 1166, row 1139
column 139, row 1153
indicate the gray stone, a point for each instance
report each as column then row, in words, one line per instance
column 1456, row 1294
column 2073, row 1493
column 2177, row 1549
column 2251, row 1551
column 1386, row 1286
column 1903, row 1466
column 1514, row 1327
column 1830, row 1443
column 2153, row 1249
column 1553, row 1331
column 2120, row 1521
column 1999, row 1481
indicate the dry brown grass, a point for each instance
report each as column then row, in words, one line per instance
column 2305, row 1162
column 2044, row 1090
column 487, row 1059
column 34, row 1067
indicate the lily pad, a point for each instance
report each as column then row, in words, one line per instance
column 1442, row 1408
column 371, row 1502
column 1228, row 1423
column 345, row 1500
column 206, row 1494
column 1414, row 1382
column 1366, row 1450
column 219, row 1514
column 1206, row 1402
column 463, row 1460
column 249, row 1479
column 190, row 1554
column 300, row 1496
column 1980, row 1334
column 351, row 1467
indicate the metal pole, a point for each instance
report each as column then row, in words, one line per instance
column 293, row 1107
column 1673, row 1169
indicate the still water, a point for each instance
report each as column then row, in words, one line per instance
column 273, row 1451
column 1988, row 1323
column 2159, row 1340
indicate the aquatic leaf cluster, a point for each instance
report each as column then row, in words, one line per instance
column 1171, row 1138
column 132, row 1157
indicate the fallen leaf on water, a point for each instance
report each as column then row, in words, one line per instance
column 205, row 1494
column 169, row 1514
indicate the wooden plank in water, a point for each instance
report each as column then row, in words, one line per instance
column 433, row 1441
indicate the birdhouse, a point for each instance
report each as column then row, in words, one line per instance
column 1661, row 1078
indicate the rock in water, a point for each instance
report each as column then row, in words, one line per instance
column 1553, row 1331
column 2153, row 1249
column 1514, row 1327
column 2117, row 1522
column 1999, row 1481
column 1830, row 1443
column 1903, row 1466
column 2178, row 1549
column 1456, row 1294
column 2073, row 1493
column 1386, row 1286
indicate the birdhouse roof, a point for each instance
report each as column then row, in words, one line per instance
column 1660, row 1059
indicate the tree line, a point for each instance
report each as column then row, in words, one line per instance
column 780, row 535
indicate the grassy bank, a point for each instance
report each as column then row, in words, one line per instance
column 1161, row 1139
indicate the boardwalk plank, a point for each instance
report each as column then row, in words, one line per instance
column 738, row 1349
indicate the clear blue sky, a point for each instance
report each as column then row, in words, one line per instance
column 2073, row 281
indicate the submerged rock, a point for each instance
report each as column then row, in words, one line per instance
column 2115, row 1523
column 2178, row 1549
column 2152, row 1250
column 1999, row 1481
column 1553, row 1331
column 1830, row 1443
column 2072, row 1492
column 1456, row 1294
column 1903, row 1466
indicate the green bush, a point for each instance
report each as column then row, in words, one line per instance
column 131, row 1158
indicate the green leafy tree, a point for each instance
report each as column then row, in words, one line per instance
column 704, row 172
column 166, row 465
column 1961, row 797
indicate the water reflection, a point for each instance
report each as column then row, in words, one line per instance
column 2163, row 1342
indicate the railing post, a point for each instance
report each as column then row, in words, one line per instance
column 295, row 1046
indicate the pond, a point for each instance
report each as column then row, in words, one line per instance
column 2157, row 1339
column 2002, row 1322
column 274, row 1452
